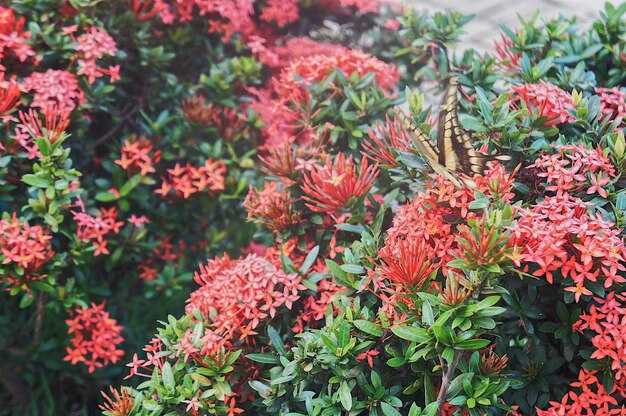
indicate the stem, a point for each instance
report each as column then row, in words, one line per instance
column 446, row 379
column 39, row 315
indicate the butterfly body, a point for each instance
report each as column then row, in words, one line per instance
column 454, row 151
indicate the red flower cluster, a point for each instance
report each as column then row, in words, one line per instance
column 558, row 234
column 96, row 228
column 545, row 100
column 92, row 45
column 612, row 102
column 506, row 57
column 188, row 180
column 607, row 321
column 236, row 295
column 592, row 400
column 330, row 187
column 24, row 246
column 576, row 168
column 13, row 37
column 96, row 337
column 228, row 122
column 9, row 94
column 409, row 263
column 386, row 140
column 31, row 127
column 284, row 107
column 281, row 12
column 54, row 89
column 272, row 207
column 120, row 403
column 138, row 155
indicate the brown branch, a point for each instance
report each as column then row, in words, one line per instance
column 115, row 129
column 39, row 316
column 446, row 379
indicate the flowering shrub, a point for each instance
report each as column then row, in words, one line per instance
column 337, row 274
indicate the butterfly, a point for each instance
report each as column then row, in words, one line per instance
column 455, row 150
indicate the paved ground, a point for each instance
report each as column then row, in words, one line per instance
column 482, row 31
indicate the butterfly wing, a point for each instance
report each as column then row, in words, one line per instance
column 463, row 156
column 429, row 152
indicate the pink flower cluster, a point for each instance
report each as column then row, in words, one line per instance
column 54, row 89
column 13, row 37
column 31, row 127
column 95, row 337
column 138, row 155
column 188, row 180
column 545, row 100
column 236, row 295
column 96, row 229
column 281, row 12
column 92, row 45
column 24, row 246
column 612, row 102
column 574, row 168
column 558, row 234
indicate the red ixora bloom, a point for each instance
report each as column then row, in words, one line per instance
column 506, row 56
column 612, row 102
column 95, row 337
column 236, row 295
column 558, row 234
column 95, row 229
column 145, row 9
column 31, row 127
column 138, row 155
column 120, row 403
column 409, row 263
column 384, row 141
column 92, row 45
column 188, row 180
column 9, row 94
column 272, row 207
column 281, row 12
column 54, row 89
column 13, row 36
column 24, row 246
column 329, row 187
column 545, row 100
column 575, row 168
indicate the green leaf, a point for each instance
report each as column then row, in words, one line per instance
column 368, row 327
column 263, row 358
column 130, row 184
column 389, row 410
column 105, row 196
column 472, row 344
column 352, row 268
column 411, row 333
column 276, row 339
column 168, row 376
column 36, row 181
column 310, row 259
column 345, row 396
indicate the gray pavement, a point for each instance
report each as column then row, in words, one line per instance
column 484, row 28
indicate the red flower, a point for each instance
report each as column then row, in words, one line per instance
column 95, row 337
column 271, row 207
column 506, row 56
column 95, row 229
column 236, row 295
column 189, row 180
column 92, row 45
column 137, row 155
column 9, row 95
column 24, row 246
column 281, row 12
column 54, row 89
column 612, row 102
column 145, row 9
column 119, row 404
column 386, row 140
column 332, row 186
column 409, row 263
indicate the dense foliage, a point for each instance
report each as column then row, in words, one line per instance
column 337, row 274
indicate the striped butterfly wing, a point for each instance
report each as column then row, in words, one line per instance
column 429, row 152
column 463, row 155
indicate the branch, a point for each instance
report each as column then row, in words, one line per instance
column 446, row 379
